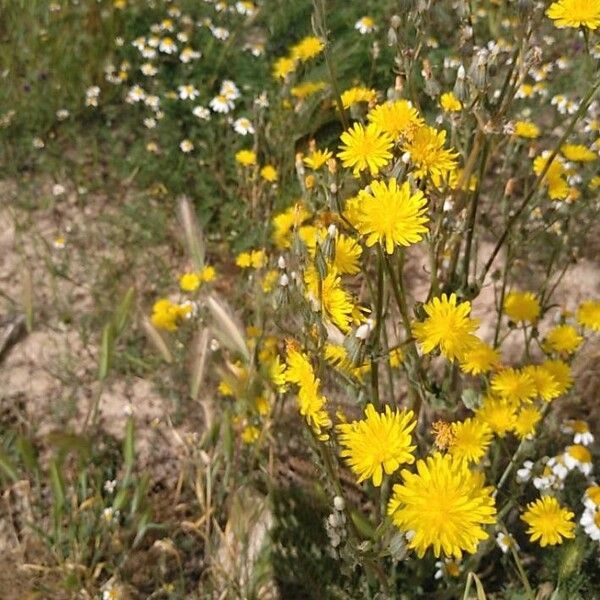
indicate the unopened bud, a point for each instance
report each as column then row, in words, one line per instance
column 338, row 503
column 281, row 262
column 284, row 280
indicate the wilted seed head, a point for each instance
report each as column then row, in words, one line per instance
column 194, row 239
column 225, row 326
column 395, row 21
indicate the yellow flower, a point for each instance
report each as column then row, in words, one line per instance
column 481, row 358
column 575, row 13
column 306, row 89
column 283, row 67
column 247, row 158
column 563, row 339
column 250, row 434
column 427, row 153
column 391, row 215
column 189, row 282
column 277, row 373
column 526, row 420
column 546, row 386
column 207, row 274
column 470, row 440
column 365, row 148
column 514, row 385
column 450, row 103
column 167, row 314
column 269, row 173
column 284, row 223
column 307, row 48
column 561, row 373
column 358, row 94
column 527, row 130
column 347, row 255
column 379, row 442
column 311, row 402
column 588, row 315
column 329, row 296
column 398, row 118
column 255, row 259
column 548, row 521
column 444, row 505
column 448, row 326
column 578, row 153
column 317, row 158
column 558, row 188
column 522, row 307
column 498, row 413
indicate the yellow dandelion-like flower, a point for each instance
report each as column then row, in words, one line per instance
column 269, row 173
column 284, row 223
column 391, row 215
column 166, row 314
column 399, row 119
column 307, row 89
column 526, row 421
column 254, row 259
column 575, row 13
column 189, row 282
column 514, row 385
column 347, row 255
column 522, row 307
column 207, row 274
column 555, row 179
column 311, row 402
column 447, row 326
column 247, row 158
column 328, row 295
column 427, row 153
column 357, row 95
column 546, row 386
column 470, row 440
column 527, row 130
column 588, row 315
column 444, row 505
column 250, row 434
column 548, row 521
column 365, row 148
column 284, row 67
column 317, row 158
column 561, row 373
column 578, row 153
column 450, row 103
column 379, row 442
column 277, row 373
column 498, row 413
column 481, row 358
column 307, row 48
column 563, row 339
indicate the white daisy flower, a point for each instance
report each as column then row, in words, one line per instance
column 186, row 146
column 152, row 102
column 578, row 457
column 229, row 90
column 189, row 54
column 149, row 53
column 590, row 521
column 591, row 498
column 167, row 46
column 505, row 542
column 188, row 92
column 201, row 112
column 221, row 104
column 135, row 94
column 220, row 33
column 148, row 69
column 365, row 25
column 243, row 126
column 154, row 41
